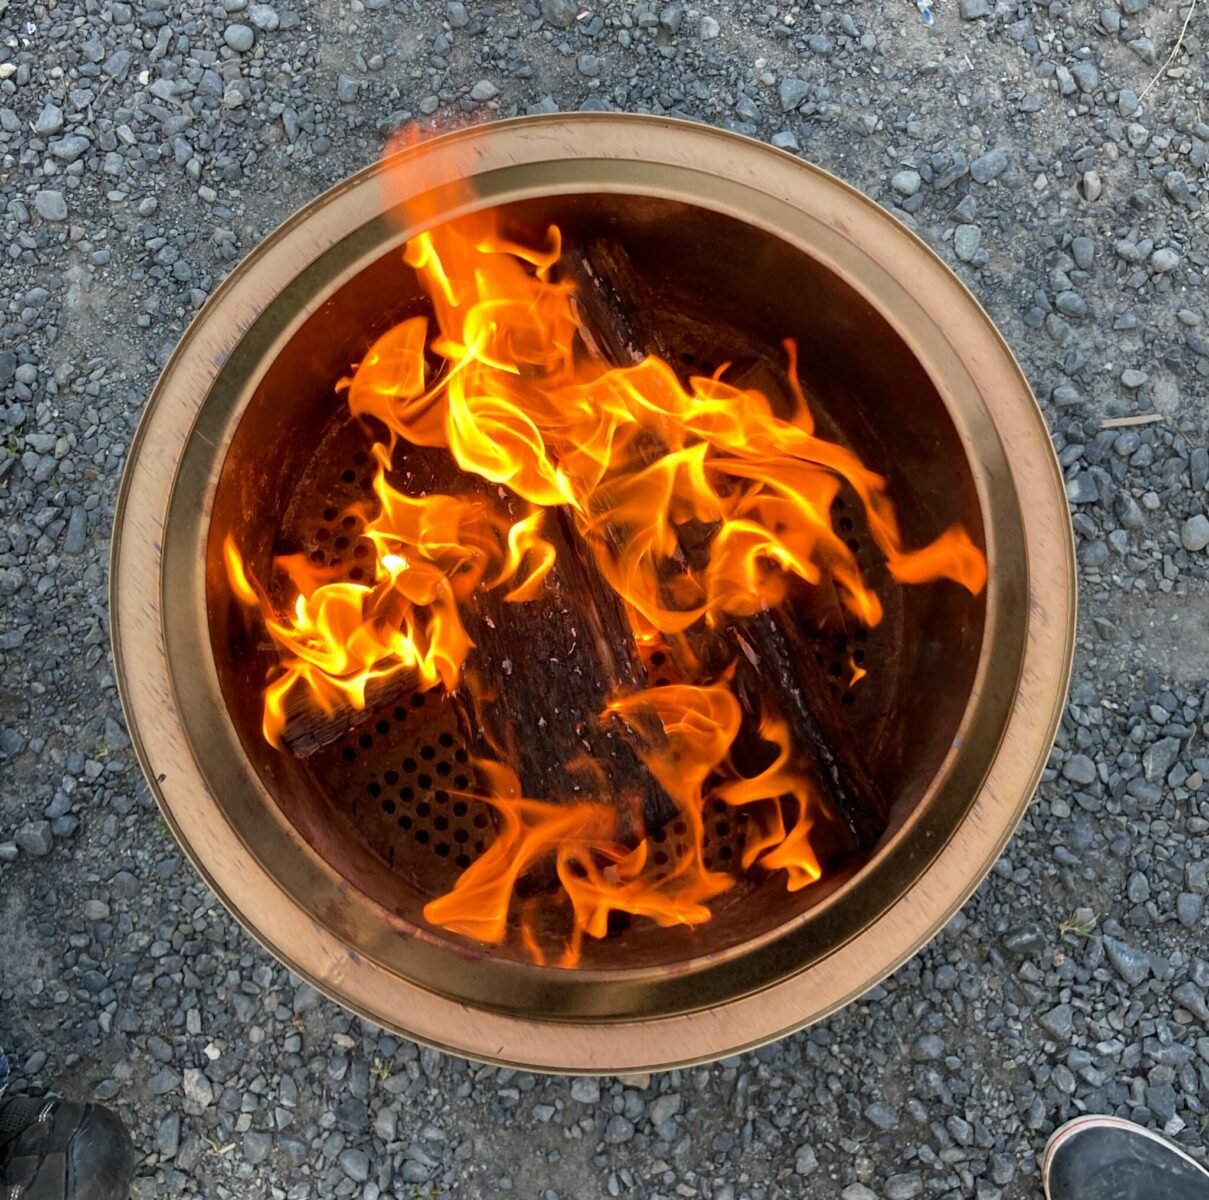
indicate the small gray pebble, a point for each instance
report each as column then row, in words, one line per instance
column 1164, row 260
column 1194, row 534
column 1079, row 769
column 256, row 1146
column 239, row 37
column 967, row 239
column 50, row 205
column 559, row 13
column 619, row 1130
column 264, row 17
column 34, row 838
column 989, row 166
column 483, row 91
column 585, row 1089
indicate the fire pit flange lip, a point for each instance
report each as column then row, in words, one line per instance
column 585, row 1045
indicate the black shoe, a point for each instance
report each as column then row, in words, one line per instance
column 1106, row 1158
column 53, row 1149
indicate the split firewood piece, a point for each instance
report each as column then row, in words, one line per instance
column 539, row 678
column 774, row 664
column 308, row 727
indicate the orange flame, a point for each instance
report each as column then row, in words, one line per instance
column 636, row 455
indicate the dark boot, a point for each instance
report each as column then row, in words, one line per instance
column 1106, row 1158
column 53, row 1149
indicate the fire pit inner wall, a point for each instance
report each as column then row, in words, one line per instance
column 867, row 389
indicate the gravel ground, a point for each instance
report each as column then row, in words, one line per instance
column 148, row 145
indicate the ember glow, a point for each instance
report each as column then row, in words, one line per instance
column 498, row 376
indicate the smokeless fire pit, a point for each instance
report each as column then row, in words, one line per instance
column 922, row 674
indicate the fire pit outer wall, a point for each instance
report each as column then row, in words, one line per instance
column 911, row 372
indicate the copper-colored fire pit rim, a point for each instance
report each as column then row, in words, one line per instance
column 595, row 1046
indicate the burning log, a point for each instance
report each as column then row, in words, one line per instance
column 551, row 665
column 773, row 661
column 309, row 728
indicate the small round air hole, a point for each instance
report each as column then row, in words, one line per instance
column 317, row 556
column 846, row 524
column 374, row 789
column 661, row 682
column 348, row 754
column 443, row 769
column 720, row 806
column 360, row 550
column 853, row 545
column 388, row 806
column 479, row 847
column 329, row 514
column 391, row 778
column 460, row 808
column 348, row 476
column 446, row 740
column 725, row 852
column 422, row 836
column 425, row 781
column 460, row 755
column 423, row 809
column 679, row 828
column 441, row 796
column 442, row 849
column 461, row 781
column 409, row 764
column 383, row 727
column 688, row 359
column 659, row 658
column 480, row 822
column 400, row 713
column 336, row 562
column 838, row 504
column 406, row 795
column 440, row 824
column 365, row 741
column 462, row 860
column 417, row 701
column 661, row 858
column 660, row 835
column 341, row 543
column 461, row 836
column 858, row 656
column 322, row 534
column 356, row 575
column 404, row 822
column 722, row 829
column 427, row 753
column 349, row 522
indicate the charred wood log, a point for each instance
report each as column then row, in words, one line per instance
column 539, row 679
column 774, row 664
column 308, row 727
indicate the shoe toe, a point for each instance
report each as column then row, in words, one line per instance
column 100, row 1158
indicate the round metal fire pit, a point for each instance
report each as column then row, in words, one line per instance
column 244, row 434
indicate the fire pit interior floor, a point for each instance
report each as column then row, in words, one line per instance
column 364, row 831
